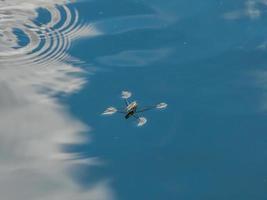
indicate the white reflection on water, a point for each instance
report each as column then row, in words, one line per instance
column 123, row 24
column 135, row 58
column 33, row 124
column 251, row 10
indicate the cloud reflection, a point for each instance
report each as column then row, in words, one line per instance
column 135, row 58
column 33, row 124
column 252, row 10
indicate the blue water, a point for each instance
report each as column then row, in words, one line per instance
column 207, row 60
column 211, row 141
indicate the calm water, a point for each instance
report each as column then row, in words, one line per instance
column 62, row 64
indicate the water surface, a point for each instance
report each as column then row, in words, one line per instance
column 63, row 63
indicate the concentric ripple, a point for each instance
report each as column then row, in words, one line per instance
column 34, row 42
column 47, row 43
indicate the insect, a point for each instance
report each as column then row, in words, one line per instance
column 132, row 109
